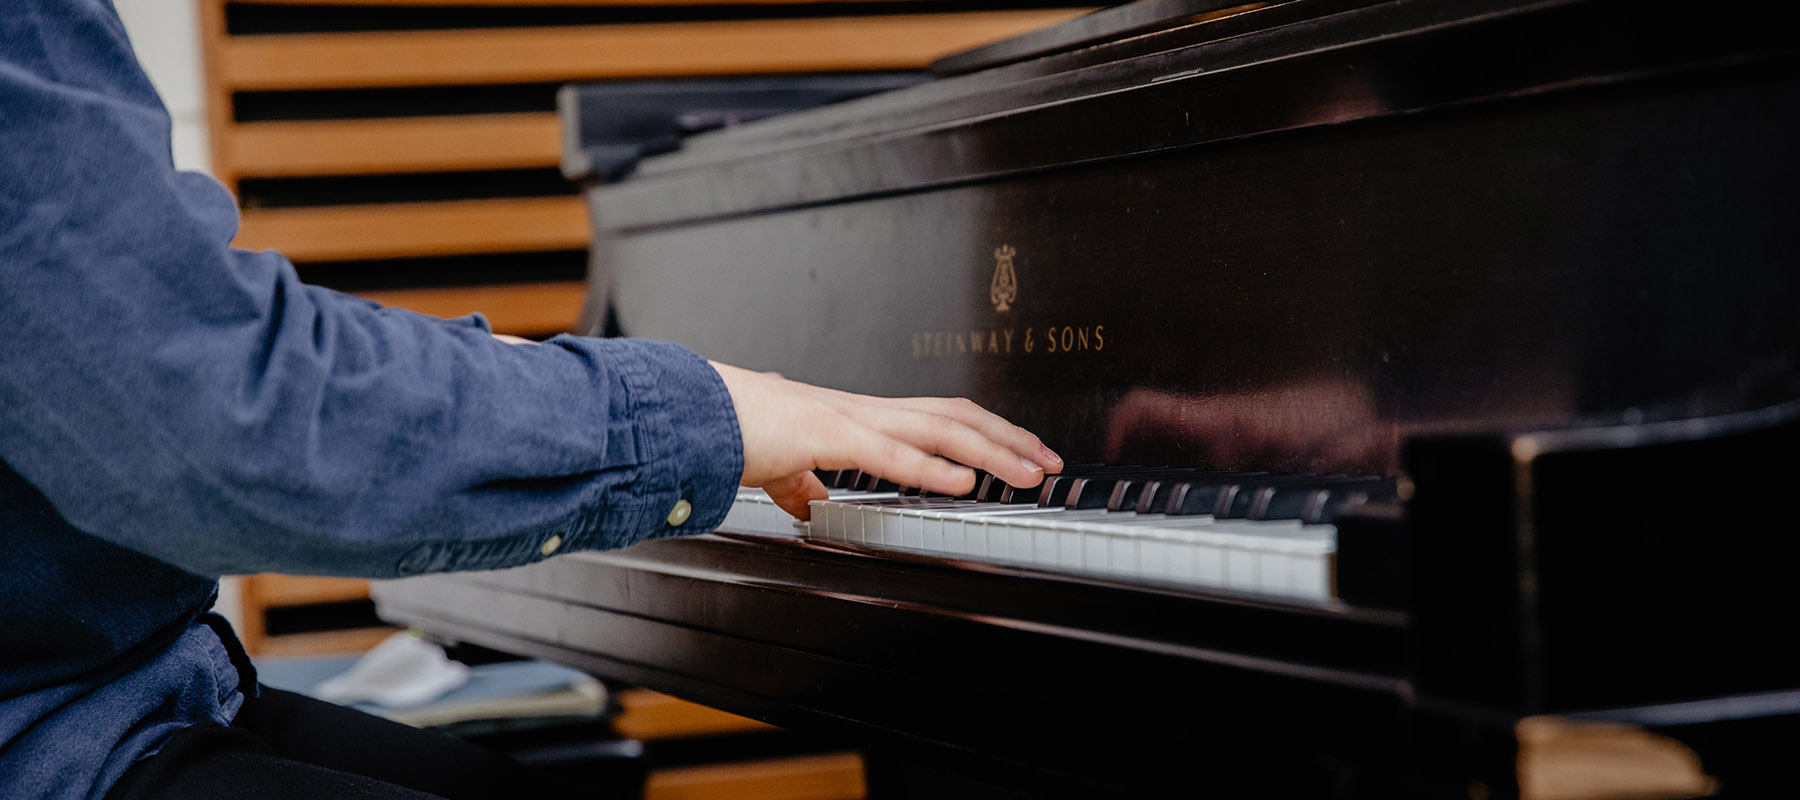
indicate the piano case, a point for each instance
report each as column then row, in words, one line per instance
column 1531, row 259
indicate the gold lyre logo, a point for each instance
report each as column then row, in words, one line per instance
column 1004, row 288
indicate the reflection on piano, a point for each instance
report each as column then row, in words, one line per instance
column 1458, row 340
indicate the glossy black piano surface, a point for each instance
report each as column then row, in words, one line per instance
column 1531, row 262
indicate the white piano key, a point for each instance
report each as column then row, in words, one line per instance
column 1096, row 552
column 931, row 525
column 1005, row 543
column 1240, row 562
column 1271, row 558
column 1183, row 557
column 949, row 532
column 1122, row 555
column 821, row 510
column 918, row 529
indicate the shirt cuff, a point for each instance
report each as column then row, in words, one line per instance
column 674, row 457
column 690, row 450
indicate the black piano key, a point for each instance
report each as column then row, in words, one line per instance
column 1155, row 497
column 1294, row 501
column 1324, row 511
column 1117, row 490
column 1279, row 502
column 1067, row 490
column 1050, row 491
column 989, row 489
column 1091, row 493
column 1189, row 499
column 1054, row 491
column 1125, row 494
column 1081, row 485
column 1198, row 493
column 1151, row 496
column 1291, row 492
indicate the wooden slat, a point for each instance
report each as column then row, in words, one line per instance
column 403, row 230
column 523, row 55
column 379, row 146
column 291, row 590
column 648, row 715
column 523, row 309
column 1562, row 759
column 348, row 640
column 590, row 3
column 835, row 776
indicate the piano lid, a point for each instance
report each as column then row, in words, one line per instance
column 1104, row 25
column 1279, row 69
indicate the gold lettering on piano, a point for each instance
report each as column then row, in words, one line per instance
column 1037, row 340
column 1004, row 288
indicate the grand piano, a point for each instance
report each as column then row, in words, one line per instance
column 1430, row 372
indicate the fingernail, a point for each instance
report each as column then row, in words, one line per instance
column 1029, row 465
column 1050, row 454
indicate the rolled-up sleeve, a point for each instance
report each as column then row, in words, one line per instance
column 201, row 405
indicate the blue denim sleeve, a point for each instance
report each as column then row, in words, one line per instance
column 201, row 405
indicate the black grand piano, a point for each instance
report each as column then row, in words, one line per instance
column 1431, row 372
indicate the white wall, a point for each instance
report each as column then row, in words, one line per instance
column 166, row 34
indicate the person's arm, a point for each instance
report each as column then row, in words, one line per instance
column 202, row 405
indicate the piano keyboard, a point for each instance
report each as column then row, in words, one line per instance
column 1253, row 532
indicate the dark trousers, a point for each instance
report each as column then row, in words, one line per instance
column 286, row 745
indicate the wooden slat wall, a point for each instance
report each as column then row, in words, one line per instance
column 524, row 306
column 427, row 228
column 528, row 55
column 370, row 146
column 280, row 154
column 648, row 716
column 832, row 776
column 261, row 594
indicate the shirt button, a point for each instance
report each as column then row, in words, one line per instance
column 680, row 512
column 550, row 545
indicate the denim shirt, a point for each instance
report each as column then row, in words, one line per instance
column 173, row 410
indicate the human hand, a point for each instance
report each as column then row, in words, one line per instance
column 791, row 428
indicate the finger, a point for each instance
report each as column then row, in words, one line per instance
column 859, row 446
column 990, row 425
column 963, row 410
column 795, row 493
column 948, row 437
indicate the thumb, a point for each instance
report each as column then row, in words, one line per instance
column 794, row 492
